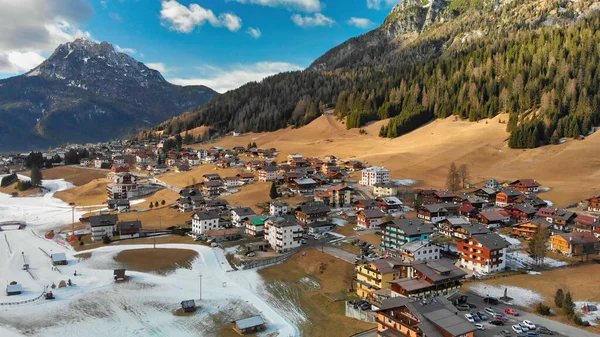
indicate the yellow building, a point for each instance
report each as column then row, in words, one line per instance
column 575, row 243
column 385, row 190
column 376, row 275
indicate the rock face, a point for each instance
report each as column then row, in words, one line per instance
column 88, row 92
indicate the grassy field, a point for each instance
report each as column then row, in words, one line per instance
column 256, row 194
column 194, row 176
column 10, row 189
column 324, row 316
column 91, row 193
column 159, row 260
column 89, row 244
column 580, row 281
column 482, row 146
column 75, row 175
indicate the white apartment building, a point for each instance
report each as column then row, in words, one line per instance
column 204, row 221
column 283, row 233
column 278, row 208
column 420, row 250
column 375, row 175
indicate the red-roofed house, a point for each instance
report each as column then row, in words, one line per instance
column 525, row 185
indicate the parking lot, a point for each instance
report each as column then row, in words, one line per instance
column 558, row 329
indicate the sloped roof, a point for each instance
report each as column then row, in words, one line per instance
column 243, row 211
column 249, row 322
column 57, row 257
column 491, row 241
column 411, row 226
column 372, row 213
column 206, row 215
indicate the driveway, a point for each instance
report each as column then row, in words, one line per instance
column 339, row 253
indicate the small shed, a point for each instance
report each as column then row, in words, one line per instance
column 59, row 259
column 249, row 325
column 119, row 274
column 188, row 306
column 14, row 289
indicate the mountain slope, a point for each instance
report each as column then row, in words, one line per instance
column 534, row 59
column 87, row 92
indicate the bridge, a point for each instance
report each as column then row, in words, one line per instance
column 20, row 224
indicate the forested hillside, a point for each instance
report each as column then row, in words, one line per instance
column 536, row 60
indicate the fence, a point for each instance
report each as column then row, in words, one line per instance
column 357, row 313
column 24, row 302
column 265, row 262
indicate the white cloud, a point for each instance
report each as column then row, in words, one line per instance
column 380, row 4
column 116, row 17
column 309, row 6
column 254, row 32
column 360, row 22
column 317, row 19
column 235, row 76
column 124, row 50
column 184, row 19
column 158, row 66
column 33, row 28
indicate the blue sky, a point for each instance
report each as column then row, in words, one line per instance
column 219, row 43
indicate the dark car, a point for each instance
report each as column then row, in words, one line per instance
column 462, row 307
column 471, row 305
column 496, row 322
column 544, row 331
column 482, row 316
column 491, row 300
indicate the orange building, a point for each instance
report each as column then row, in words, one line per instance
column 530, row 228
column 400, row 316
column 575, row 243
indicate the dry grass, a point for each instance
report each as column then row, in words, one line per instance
column 75, row 175
column 578, row 280
column 371, row 238
column 250, row 195
column 425, row 154
column 89, row 244
column 325, row 318
column 10, row 189
column 346, row 230
column 159, row 260
column 92, row 193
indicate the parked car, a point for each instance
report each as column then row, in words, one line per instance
column 471, row 305
column 529, row 324
column 517, row 329
column 545, row 331
column 251, row 254
column 506, row 333
column 523, row 327
column 476, row 317
column 532, row 334
column 496, row 322
column 510, row 311
column 462, row 307
column 489, row 311
column 469, row 318
column 483, row 316
column 501, row 317
column 358, row 229
column 479, row 326
column 491, row 300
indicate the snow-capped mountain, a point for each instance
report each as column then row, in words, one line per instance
column 86, row 91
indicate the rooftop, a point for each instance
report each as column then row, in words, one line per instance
column 249, row 322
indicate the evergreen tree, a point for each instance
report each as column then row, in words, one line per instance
column 273, row 192
column 151, row 204
column 537, row 245
column 559, row 298
column 36, row 176
column 568, row 306
column 188, row 139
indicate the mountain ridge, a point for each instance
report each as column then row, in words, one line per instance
column 87, row 92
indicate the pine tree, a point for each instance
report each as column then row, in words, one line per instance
column 568, row 305
column 273, row 192
column 36, row 176
column 559, row 298
column 151, row 204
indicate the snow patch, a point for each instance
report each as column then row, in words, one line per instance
column 592, row 316
column 512, row 241
column 34, row 72
column 550, row 203
column 522, row 260
column 403, row 182
column 521, row 296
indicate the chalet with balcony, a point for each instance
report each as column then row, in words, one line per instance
column 460, row 228
column 255, row 225
column 212, row 188
column 376, row 275
column 487, row 194
column 493, row 219
column 309, row 212
column 303, row 186
column 398, row 232
column 468, row 211
column 429, row 278
column 444, row 196
column 525, row 185
column 425, row 197
column 520, row 212
column 267, row 173
column 363, row 204
column 389, row 204
column 417, row 250
column 559, row 218
column 483, row 253
column 506, row 197
column 529, row 229
column 369, row 218
column 401, row 316
column 593, row 204
column 574, row 244
column 432, row 213
column 385, row 190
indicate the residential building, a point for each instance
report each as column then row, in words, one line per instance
column 303, row 186
column 460, row 228
column 360, row 205
column 529, row 229
column 317, row 227
column 267, row 173
column 369, row 218
column 487, row 194
column 278, row 208
column 521, row 212
column 574, row 244
column 525, row 185
column 419, row 250
column 432, row 213
column 103, row 225
column 400, row 316
column 385, row 190
column 212, row 188
column 283, row 233
column 374, row 175
column 308, row 212
column 397, row 232
column 204, row 221
column 246, row 178
column 239, row 216
column 429, row 278
column 376, row 275
column 593, row 204
column 341, row 196
column 389, row 204
column 232, row 182
column 493, row 219
column 506, row 197
column 129, row 229
column 483, row 253
column 255, row 225
column 124, row 186
column 559, row 218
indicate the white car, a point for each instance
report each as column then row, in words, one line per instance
column 358, row 229
column 517, row 329
column 469, row 318
column 479, row 326
column 523, row 327
column 529, row 324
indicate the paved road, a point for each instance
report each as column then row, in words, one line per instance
column 90, row 168
column 162, row 183
column 339, row 253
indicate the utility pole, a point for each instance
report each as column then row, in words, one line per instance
column 200, row 286
column 159, row 228
column 72, row 204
